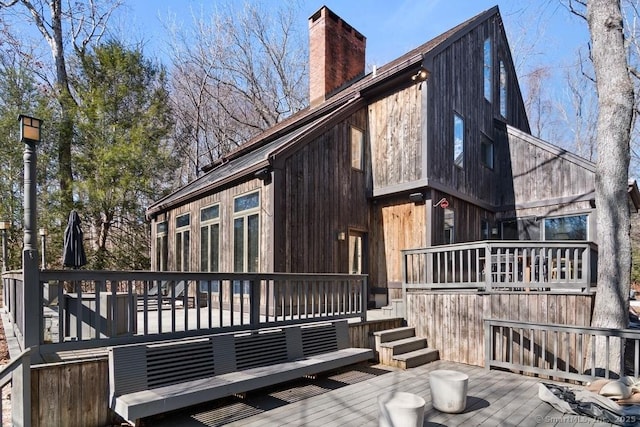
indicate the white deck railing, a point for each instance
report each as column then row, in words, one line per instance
column 502, row 266
column 87, row 309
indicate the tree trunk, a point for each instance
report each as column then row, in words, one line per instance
column 615, row 99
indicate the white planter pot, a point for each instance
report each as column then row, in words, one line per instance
column 449, row 390
column 400, row 409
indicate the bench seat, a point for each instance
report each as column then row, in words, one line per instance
column 169, row 398
column 152, row 378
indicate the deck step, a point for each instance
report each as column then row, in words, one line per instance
column 416, row 358
column 394, row 334
column 404, row 345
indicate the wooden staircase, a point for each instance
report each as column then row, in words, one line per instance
column 401, row 348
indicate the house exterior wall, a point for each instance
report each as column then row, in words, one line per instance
column 224, row 198
column 320, row 195
column 395, row 128
column 456, row 86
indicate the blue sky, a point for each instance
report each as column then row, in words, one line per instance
column 542, row 28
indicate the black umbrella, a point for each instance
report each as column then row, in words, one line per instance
column 73, row 253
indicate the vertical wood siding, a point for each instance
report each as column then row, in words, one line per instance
column 395, row 126
column 322, row 196
column 453, row 322
column 396, row 224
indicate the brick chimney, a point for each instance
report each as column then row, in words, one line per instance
column 336, row 54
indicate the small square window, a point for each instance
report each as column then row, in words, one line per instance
column 486, row 152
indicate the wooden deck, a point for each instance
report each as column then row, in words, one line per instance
column 349, row 398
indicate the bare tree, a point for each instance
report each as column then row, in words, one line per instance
column 615, row 122
column 240, row 72
column 61, row 23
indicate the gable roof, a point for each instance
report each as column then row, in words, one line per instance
column 255, row 154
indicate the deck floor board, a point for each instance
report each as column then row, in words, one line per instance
column 349, row 398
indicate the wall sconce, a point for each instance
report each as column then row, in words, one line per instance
column 494, row 231
column 421, row 75
column 416, row 197
column 342, row 235
column 264, row 175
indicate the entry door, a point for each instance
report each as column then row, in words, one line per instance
column 357, row 243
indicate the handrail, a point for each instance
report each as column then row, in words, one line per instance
column 562, row 351
column 93, row 308
column 17, row 373
column 502, row 266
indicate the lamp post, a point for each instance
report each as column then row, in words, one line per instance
column 4, row 228
column 32, row 294
column 43, row 240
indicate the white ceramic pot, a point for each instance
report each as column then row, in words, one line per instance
column 449, row 390
column 400, row 409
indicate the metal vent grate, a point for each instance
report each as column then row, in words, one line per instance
column 260, row 349
column 319, row 339
column 171, row 364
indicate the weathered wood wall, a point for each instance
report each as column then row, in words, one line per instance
column 396, row 224
column 395, row 126
column 321, row 195
column 71, row 394
column 452, row 322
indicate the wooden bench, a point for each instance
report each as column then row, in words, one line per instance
column 153, row 378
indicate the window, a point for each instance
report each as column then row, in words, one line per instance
column 162, row 242
column 484, row 229
column 486, row 152
column 521, row 229
column 449, row 226
column 357, row 148
column 246, row 231
column 566, row 228
column 458, row 140
column 487, row 68
column 503, row 90
column 182, row 242
column 210, row 238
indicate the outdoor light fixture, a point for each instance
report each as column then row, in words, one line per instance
column 342, row 235
column 416, row 197
column 421, row 75
column 4, row 227
column 29, row 128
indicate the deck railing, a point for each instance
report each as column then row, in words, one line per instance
column 87, row 309
column 502, row 266
column 558, row 351
column 17, row 377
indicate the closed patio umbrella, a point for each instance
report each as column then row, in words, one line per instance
column 73, row 252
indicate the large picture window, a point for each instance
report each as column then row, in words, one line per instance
column 458, row 140
column 246, row 232
column 566, row 228
column 183, row 238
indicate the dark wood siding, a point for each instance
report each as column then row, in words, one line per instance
column 320, row 196
column 456, row 86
